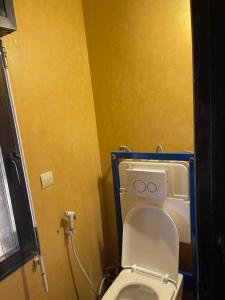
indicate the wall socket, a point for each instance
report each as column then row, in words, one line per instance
column 47, row 179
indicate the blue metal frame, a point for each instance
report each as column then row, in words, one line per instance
column 190, row 279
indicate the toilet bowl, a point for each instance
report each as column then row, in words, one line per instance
column 131, row 285
column 150, row 254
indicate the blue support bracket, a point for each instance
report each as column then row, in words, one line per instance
column 116, row 184
column 190, row 279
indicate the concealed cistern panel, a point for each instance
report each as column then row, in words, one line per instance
column 164, row 184
column 147, row 184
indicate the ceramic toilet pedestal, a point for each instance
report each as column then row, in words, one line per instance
column 150, row 256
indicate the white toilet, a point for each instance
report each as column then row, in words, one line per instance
column 150, row 254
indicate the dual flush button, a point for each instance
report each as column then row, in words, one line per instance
column 140, row 186
column 149, row 184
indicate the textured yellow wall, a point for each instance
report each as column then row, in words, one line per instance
column 141, row 67
column 140, row 56
column 49, row 68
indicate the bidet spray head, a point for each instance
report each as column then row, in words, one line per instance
column 71, row 217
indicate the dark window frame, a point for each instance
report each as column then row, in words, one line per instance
column 7, row 23
column 19, row 189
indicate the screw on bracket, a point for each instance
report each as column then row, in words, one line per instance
column 192, row 159
column 113, row 156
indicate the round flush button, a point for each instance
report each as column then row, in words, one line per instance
column 152, row 187
column 139, row 186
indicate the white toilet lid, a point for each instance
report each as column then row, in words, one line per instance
column 151, row 241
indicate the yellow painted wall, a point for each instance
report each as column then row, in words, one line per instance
column 48, row 63
column 141, row 67
column 140, row 57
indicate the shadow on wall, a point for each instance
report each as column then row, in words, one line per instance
column 71, row 268
column 25, row 285
column 64, row 226
column 108, row 217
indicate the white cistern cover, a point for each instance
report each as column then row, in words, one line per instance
column 151, row 241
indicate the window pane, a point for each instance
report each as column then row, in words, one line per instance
column 2, row 9
column 8, row 234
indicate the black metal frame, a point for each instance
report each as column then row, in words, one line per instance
column 208, row 25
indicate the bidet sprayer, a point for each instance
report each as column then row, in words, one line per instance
column 71, row 217
column 70, row 233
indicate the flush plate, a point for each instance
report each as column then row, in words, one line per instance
column 147, row 184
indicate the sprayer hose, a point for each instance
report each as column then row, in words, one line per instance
column 80, row 264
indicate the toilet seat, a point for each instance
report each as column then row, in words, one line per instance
column 151, row 242
column 150, row 254
column 157, row 289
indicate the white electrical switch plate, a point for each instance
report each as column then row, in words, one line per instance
column 47, row 179
column 147, row 183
